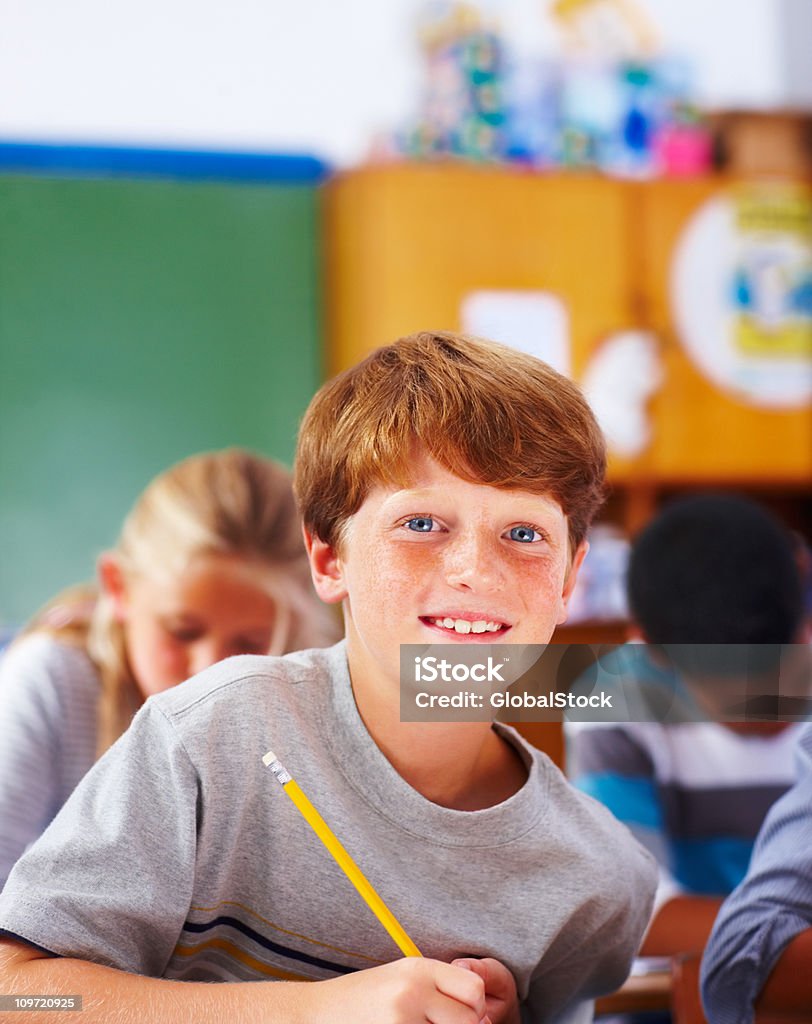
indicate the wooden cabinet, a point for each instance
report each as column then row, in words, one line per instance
column 707, row 431
column 405, row 244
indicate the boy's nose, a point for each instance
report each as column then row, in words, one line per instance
column 472, row 563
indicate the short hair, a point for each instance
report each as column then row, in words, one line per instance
column 715, row 569
column 487, row 413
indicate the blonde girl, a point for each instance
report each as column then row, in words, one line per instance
column 210, row 563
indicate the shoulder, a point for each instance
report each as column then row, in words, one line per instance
column 242, row 677
column 218, row 724
column 616, row 875
column 579, row 819
column 42, row 661
column 237, row 699
column 49, row 695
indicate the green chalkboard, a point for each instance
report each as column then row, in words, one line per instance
column 140, row 321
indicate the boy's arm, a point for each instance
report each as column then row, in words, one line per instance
column 788, row 988
column 408, row 991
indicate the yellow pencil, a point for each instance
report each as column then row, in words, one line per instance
column 342, row 858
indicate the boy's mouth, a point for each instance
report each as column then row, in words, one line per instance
column 484, row 627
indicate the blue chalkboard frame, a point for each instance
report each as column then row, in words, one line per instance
column 137, row 161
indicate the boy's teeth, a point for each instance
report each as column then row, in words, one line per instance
column 464, row 626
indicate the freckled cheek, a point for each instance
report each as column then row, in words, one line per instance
column 389, row 582
column 396, row 564
column 540, row 583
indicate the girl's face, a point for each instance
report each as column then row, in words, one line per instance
column 219, row 606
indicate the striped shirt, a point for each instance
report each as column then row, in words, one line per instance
column 695, row 794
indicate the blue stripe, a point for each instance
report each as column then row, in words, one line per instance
column 122, row 161
column 633, row 801
column 274, row 947
column 711, row 867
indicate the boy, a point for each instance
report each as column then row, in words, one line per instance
column 709, row 569
column 446, row 487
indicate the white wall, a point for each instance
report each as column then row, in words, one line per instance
column 796, row 38
column 317, row 75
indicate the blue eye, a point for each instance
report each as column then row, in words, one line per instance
column 524, row 534
column 420, row 524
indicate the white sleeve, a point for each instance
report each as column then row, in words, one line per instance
column 45, row 695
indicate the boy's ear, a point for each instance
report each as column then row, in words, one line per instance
column 326, row 569
column 113, row 583
column 571, row 580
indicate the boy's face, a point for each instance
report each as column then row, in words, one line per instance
column 446, row 561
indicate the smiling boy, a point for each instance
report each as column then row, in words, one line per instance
column 446, row 486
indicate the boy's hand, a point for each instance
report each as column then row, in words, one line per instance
column 501, row 1000
column 409, row 991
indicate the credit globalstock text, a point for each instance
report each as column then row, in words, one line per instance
column 605, row 683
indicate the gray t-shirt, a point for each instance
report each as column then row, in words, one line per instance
column 180, row 855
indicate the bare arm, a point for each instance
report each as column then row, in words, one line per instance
column 788, row 988
column 408, row 991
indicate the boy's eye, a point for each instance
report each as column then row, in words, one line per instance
column 420, row 524
column 524, row 534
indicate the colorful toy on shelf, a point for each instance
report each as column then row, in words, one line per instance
column 622, row 110
column 463, row 112
column 533, row 112
column 607, row 29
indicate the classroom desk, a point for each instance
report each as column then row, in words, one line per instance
column 640, row 993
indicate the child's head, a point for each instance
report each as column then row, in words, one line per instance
column 487, row 413
column 210, row 562
column 446, row 485
column 715, row 577
column 715, row 569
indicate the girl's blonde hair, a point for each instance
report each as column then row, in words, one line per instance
column 230, row 502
